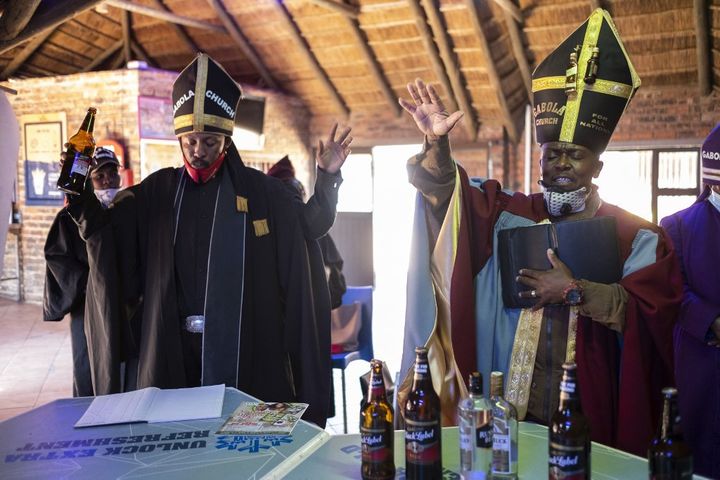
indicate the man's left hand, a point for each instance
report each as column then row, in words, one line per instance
column 332, row 153
column 547, row 286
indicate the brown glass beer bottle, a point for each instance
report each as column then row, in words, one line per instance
column 376, row 430
column 669, row 457
column 569, row 442
column 423, row 452
column 80, row 149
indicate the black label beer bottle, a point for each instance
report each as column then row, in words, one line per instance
column 569, row 442
column 423, row 452
column 376, row 430
column 80, row 149
column 669, row 457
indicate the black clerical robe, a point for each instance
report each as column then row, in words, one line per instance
column 267, row 314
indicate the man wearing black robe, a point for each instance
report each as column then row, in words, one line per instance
column 212, row 264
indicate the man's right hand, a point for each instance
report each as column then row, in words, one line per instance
column 429, row 113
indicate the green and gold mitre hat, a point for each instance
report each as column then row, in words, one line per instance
column 582, row 88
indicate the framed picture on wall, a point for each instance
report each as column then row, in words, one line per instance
column 155, row 118
column 157, row 154
column 43, row 139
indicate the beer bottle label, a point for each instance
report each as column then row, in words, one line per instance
column 568, row 462
column 80, row 165
column 375, row 445
column 422, row 442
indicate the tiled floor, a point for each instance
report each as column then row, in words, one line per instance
column 36, row 365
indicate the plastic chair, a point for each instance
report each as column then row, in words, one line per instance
column 363, row 295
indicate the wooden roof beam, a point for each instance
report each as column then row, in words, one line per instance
column 141, row 53
column 15, row 17
column 452, row 67
column 241, row 40
column 374, row 65
column 48, row 16
column 300, row 41
column 511, row 9
column 349, row 11
column 495, row 81
column 127, row 36
column 180, row 31
column 432, row 51
column 163, row 15
column 513, row 25
column 704, row 53
column 104, row 56
column 26, row 53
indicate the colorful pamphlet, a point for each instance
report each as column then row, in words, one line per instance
column 272, row 418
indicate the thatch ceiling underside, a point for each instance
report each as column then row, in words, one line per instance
column 344, row 56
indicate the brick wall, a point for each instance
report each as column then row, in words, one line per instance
column 115, row 94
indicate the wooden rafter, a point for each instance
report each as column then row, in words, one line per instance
column 347, row 10
column 513, row 26
column 26, row 53
column 117, row 63
column 141, row 53
column 180, row 31
column 127, row 35
column 241, row 40
column 510, row 8
column 704, row 54
column 48, row 17
column 302, row 44
column 164, row 15
column 432, row 51
column 495, row 81
column 374, row 65
column 452, row 67
column 100, row 59
column 15, row 17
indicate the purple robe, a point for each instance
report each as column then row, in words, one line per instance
column 695, row 232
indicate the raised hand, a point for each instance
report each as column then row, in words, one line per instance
column 429, row 113
column 333, row 152
column 547, row 285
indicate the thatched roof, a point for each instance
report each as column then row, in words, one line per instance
column 342, row 56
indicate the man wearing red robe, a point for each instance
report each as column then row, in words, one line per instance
column 619, row 334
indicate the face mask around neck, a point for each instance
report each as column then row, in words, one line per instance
column 564, row 203
column 714, row 199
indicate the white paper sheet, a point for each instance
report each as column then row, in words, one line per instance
column 155, row 405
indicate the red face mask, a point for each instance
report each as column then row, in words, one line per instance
column 202, row 175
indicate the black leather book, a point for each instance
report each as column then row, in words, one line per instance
column 588, row 247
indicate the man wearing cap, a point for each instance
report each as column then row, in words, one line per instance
column 619, row 334
column 213, row 262
column 66, row 269
column 695, row 233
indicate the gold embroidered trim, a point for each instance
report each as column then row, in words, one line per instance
column 200, row 87
column 608, row 87
column 571, row 335
column 241, row 203
column 548, row 83
column 261, row 227
column 567, row 131
column 207, row 120
column 522, row 359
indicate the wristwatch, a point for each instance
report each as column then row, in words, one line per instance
column 573, row 294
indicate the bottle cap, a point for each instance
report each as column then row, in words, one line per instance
column 496, row 383
column 421, row 350
column 669, row 392
column 475, row 382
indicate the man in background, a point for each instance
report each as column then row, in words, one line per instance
column 695, row 233
column 66, row 269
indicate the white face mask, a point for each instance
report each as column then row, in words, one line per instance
column 559, row 204
column 106, row 196
column 714, row 199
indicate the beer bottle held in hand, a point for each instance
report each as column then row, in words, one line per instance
column 423, row 451
column 505, row 432
column 569, row 442
column 476, row 434
column 669, row 457
column 376, row 430
column 78, row 156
